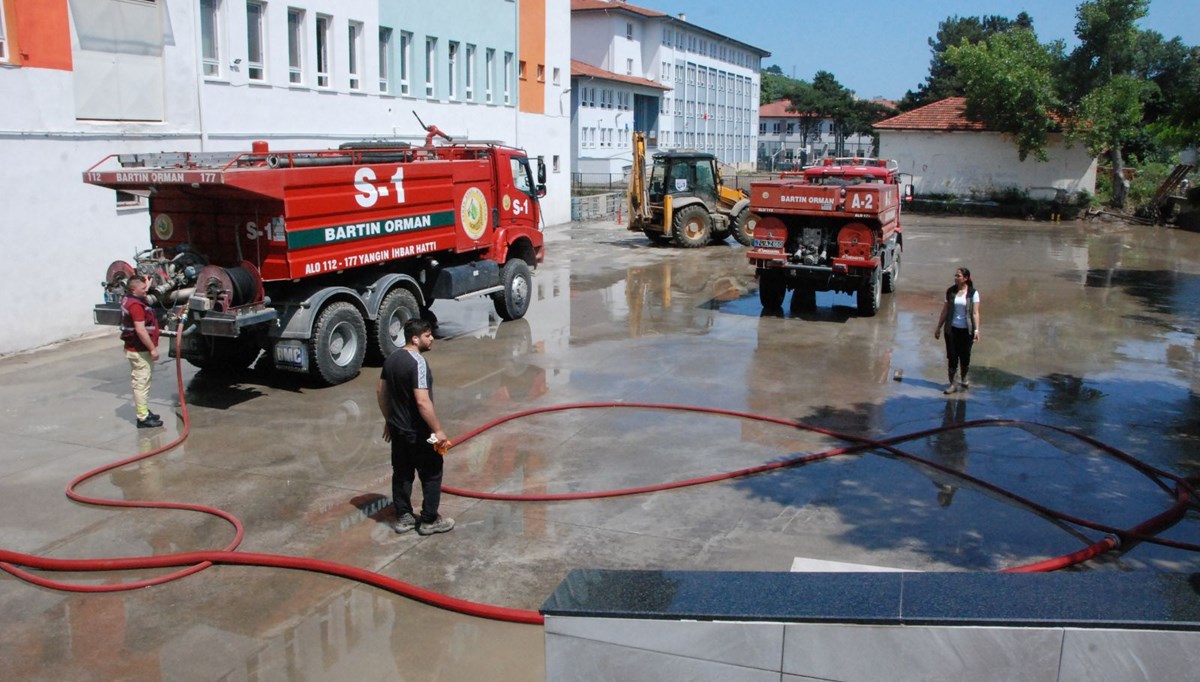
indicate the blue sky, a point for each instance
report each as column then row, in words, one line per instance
column 879, row 48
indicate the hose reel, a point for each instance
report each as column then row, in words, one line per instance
column 228, row 288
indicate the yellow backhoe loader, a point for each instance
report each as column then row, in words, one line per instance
column 684, row 201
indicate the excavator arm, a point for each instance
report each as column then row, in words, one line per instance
column 639, row 198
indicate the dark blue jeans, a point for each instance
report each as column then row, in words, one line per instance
column 413, row 456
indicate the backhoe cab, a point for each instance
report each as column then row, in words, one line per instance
column 683, row 201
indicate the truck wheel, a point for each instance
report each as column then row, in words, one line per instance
column 892, row 275
column 339, row 343
column 693, row 227
column 387, row 332
column 771, row 290
column 656, row 236
column 804, row 298
column 512, row 303
column 743, row 227
column 869, row 295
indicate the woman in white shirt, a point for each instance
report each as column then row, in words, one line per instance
column 960, row 322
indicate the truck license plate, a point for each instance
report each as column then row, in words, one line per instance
column 768, row 243
column 291, row 355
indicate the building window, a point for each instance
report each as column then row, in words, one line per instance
column 256, row 17
column 406, row 40
column 430, row 66
column 629, row 30
column 385, row 59
column 541, row 73
column 521, row 69
column 295, row 45
column 469, row 73
column 453, row 80
column 128, row 199
column 554, row 163
column 628, row 67
column 557, row 75
column 324, row 24
column 210, row 40
column 489, row 72
column 3, row 35
column 508, row 63
column 353, row 66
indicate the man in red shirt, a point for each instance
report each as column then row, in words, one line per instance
column 139, row 331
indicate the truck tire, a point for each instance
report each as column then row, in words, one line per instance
column 743, row 227
column 804, row 298
column 512, row 303
column 339, row 343
column 869, row 294
column 692, row 227
column 892, row 275
column 387, row 332
column 656, row 236
column 771, row 290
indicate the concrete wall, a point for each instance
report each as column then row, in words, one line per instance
column 60, row 235
column 655, row 650
column 974, row 164
column 656, row 625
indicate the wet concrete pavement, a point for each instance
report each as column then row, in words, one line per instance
column 1089, row 327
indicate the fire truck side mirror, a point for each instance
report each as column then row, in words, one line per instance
column 908, row 192
column 541, row 176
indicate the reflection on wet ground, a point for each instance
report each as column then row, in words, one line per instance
column 1089, row 328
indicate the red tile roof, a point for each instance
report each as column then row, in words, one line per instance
column 585, row 5
column 777, row 109
column 579, row 68
column 947, row 114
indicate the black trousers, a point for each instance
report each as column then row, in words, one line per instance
column 414, row 457
column 958, row 349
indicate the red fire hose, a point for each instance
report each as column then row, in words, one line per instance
column 15, row 563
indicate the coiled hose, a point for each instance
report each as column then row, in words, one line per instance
column 16, row 563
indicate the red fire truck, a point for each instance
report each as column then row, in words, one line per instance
column 319, row 257
column 832, row 227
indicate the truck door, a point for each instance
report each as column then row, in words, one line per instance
column 518, row 194
column 706, row 183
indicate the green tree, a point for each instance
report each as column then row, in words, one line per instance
column 1009, row 85
column 837, row 105
column 1107, row 94
column 774, row 85
column 1179, row 122
column 809, row 106
column 943, row 80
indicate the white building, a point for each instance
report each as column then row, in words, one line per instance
column 947, row 153
column 783, row 144
column 706, row 96
column 89, row 78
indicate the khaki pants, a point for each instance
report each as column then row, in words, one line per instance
column 140, row 371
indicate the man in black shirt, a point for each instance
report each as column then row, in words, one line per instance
column 405, row 395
